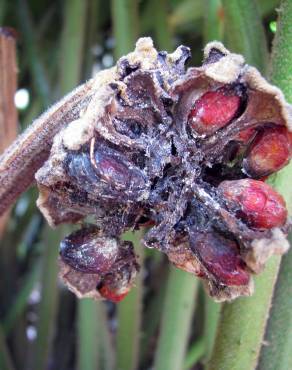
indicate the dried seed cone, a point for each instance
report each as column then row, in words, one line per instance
column 177, row 149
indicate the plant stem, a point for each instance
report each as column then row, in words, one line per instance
column 106, row 348
column 176, row 321
column 244, row 32
column 49, row 298
column 40, row 80
column 20, row 302
column 3, row 7
column 267, row 6
column 129, row 316
column 153, row 312
column 242, row 324
column 125, row 24
column 8, row 85
column 277, row 353
column 88, row 338
column 5, row 358
column 212, row 314
column 72, row 43
column 194, row 354
column 281, row 67
column 186, row 11
column 162, row 31
column 212, row 21
column 95, row 349
column 93, row 35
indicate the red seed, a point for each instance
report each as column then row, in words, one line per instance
column 271, row 150
column 261, row 205
column 221, row 258
column 213, row 110
column 112, row 295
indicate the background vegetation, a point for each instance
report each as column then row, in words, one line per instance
column 167, row 322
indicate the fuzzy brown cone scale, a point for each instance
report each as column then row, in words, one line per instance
column 152, row 146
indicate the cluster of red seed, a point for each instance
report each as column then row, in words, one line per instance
column 258, row 204
column 270, row 150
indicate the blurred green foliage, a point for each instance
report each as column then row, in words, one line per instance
column 167, row 320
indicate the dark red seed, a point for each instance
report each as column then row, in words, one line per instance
column 213, row 110
column 271, row 150
column 221, row 258
column 262, row 207
column 86, row 251
column 117, row 173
